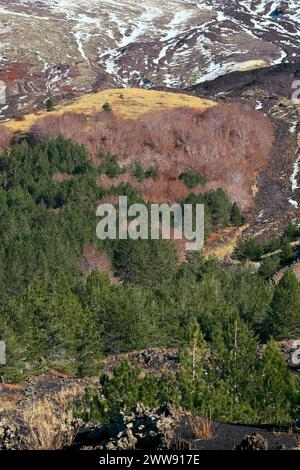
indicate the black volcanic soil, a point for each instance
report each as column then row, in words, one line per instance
column 56, row 388
column 275, row 80
column 229, row 436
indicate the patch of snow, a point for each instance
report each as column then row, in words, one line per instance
column 294, row 176
column 293, row 202
column 179, row 34
column 79, row 39
column 293, row 127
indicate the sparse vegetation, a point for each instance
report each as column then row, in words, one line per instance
column 5, row 138
column 136, row 102
column 48, row 422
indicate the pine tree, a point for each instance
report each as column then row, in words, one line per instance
column 50, row 322
column 122, row 389
column 284, row 317
column 235, row 215
column 127, row 387
column 232, row 368
column 50, row 105
column 269, row 266
column 248, row 249
column 106, row 107
column 138, row 171
column 287, row 252
column 191, row 375
column 220, row 207
column 291, row 233
column 148, row 263
column 275, row 393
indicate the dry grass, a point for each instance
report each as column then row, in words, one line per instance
column 181, row 444
column 47, row 422
column 134, row 103
column 255, row 187
column 222, row 244
column 202, row 428
column 7, row 403
column 10, row 394
column 252, row 64
column 45, row 430
column 5, row 137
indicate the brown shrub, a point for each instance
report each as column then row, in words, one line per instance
column 163, row 190
column 202, row 428
column 59, row 177
column 107, row 183
column 5, row 137
column 69, row 124
column 229, row 144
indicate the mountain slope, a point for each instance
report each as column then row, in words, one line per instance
column 67, row 46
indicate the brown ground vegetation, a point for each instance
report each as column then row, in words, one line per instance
column 229, row 144
column 201, row 427
column 60, row 177
column 47, row 427
column 107, row 183
column 5, row 137
column 15, row 71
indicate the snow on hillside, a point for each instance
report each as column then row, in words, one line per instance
column 156, row 42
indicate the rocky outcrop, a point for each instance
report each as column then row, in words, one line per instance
column 9, row 440
column 253, row 442
column 291, row 352
column 141, row 429
column 154, row 360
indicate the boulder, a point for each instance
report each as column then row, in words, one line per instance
column 253, row 442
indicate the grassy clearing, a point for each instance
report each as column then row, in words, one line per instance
column 127, row 103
